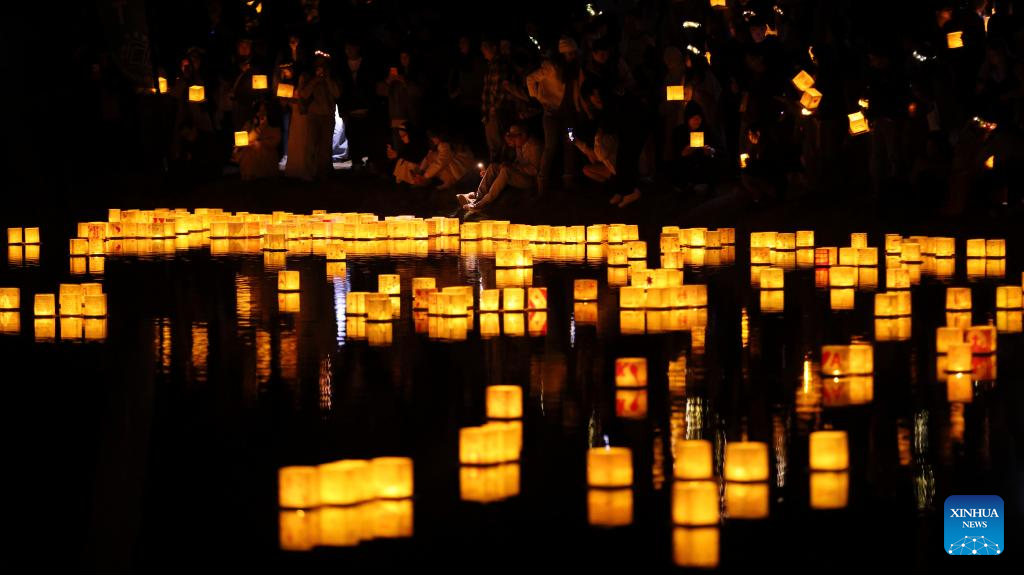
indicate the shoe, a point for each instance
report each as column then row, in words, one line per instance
column 615, row 199
column 630, row 198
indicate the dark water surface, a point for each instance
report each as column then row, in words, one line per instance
column 156, row 448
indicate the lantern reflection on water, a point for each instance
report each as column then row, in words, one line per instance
column 829, row 489
column 298, row 529
column 959, row 388
column 696, row 547
column 609, row 507
column 10, row 299
column 746, row 500
column 488, row 484
column 630, row 403
column 695, row 503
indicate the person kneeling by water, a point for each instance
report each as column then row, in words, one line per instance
column 519, row 173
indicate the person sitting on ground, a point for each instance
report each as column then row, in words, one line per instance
column 446, row 163
column 520, row 173
column 601, row 155
column 410, row 152
column 259, row 158
column 695, row 166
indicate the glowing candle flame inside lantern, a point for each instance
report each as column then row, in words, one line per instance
column 954, row 40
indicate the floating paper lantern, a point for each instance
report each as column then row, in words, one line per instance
column 695, row 503
column 298, row 487
column 959, row 358
column 746, row 500
column 490, row 443
column 288, row 302
column 15, row 236
column 345, row 482
column 805, row 239
column 958, row 298
column 489, row 484
column 79, row 246
column 636, row 250
column 632, row 298
column 241, row 139
column 858, row 123
column 803, row 81
column 696, row 139
column 867, row 257
column 45, row 304
column 954, row 40
column 95, row 305
column 504, row 402
column 609, row 467
column 196, row 94
column 829, row 489
column 843, row 360
column 596, row 233
column 693, row 459
column 981, row 338
column 537, row 298
column 390, row 284
column 746, row 461
column 810, row 98
column 584, row 290
column 392, row 477
column 975, row 248
column 609, row 507
column 676, row 93
column 829, row 451
column 10, row 299
column 513, row 298
column 842, row 277
column 336, row 252
column 378, row 307
column 71, row 298
column 490, row 300
column 285, row 91
column 760, row 256
column 288, row 280
column 631, row 372
column 772, row 301
column 1008, row 297
column 995, row 248
column 944, row 247
column 259, row 82
column 897, row 279
column 893, row 244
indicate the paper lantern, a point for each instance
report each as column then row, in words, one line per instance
column 378, row 307
column 959, row 358
column 829, row 489
column 676, row 93
column 944, row 247
column 867, row 257
column 772, row 301
column 842, row 277
column 632, row 298
column 772, row 279
column 892, row 329
column 746, row 461
column 760, row 256
column 15, row 236
column 537, row 298
column 288, row 280
column 696, row 139
column 614, row 233
column 285, row 91
column 95, row 305
column 609, row 507
column 848, row 256
column 995, row 248
column 44, row 305
column 843, row 360
column 504, row 402
column 259, row 82
column 490, row 443
column 609, row 467
column 584, row 290
column 954, row 40
column 10, row 299
column 390, row 284
column 298, row 487
column 241, row 139
column 695, row 503
column 513, row 298
column 196, row 94
column 596, row 233
column 1008, row 321
column 746, row 500
column 696, row 547
column 897, row 279
column 490, row 300
column 489, row 484
column 893, row 244
column 958, row 298
column 1008, row 297
column 858, row 123
column 71, row 298
column 392, row 477
column 693, row 459
column 631, row 372
column 805, row 239
column 810, row 98
column 829, row 451
column 785, row 241
column 636, row 250
column 981, row 338
column 298, row 529
column 803, row 81
column 79, row 246
column 345, row 482
column 975, row 248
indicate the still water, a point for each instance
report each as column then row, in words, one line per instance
column 156, row 433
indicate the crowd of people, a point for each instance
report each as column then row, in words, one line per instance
column 587, row 100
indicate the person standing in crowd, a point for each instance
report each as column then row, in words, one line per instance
column 290, row 65
column 520, row 173
column 465, row 86
column 319, row 92
column 240, row 98
column 404, row 92
column 358, row 91
column 259, row 158
column 496, row 102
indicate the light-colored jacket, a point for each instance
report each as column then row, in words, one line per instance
column 446, row 163
column 546, row 85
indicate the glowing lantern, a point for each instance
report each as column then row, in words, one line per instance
column 636, row 250
column 1008, row 297
column 829, row 489
column 842, row 277
column 285, row 91
column 79, row 247
column 772, row 278
column 615, row 233
column 95, row 305
column 241, row 139
column 995, row 248
column 676, row 93
column 378, row 307
column 944, row 247
column 976, row 248
column 504, row 402
column 15, row 236
column 959, row 358
column 490, row 300
column 390, row 284
column 584, row 290
column 392, row 477
column 785, row 241
column 810, row 98
column 693, row 459
column 897, row 279
column 288, row 302
column 71, row 299
column 696, row 139
column 954, row 40
column 981, row 338
column 893, row 244
column 513, row 298
column 632, row 297
column 631, row 372
column 843, row 360
column 298, row 487
column 805, row 239
column 196, row 94
column 772, row 301
column 958, row 299
column 489, row 484
column 288, row 280
column 492, row 442
column 161, row 85
column 609, row 507
column 858, row 123
column 867, row 257
column 537, row 298
column 746, row 461
column 990, row 162
column 45, row 304
column 10, row 299
column 760, row 256
column 345, row 482
column 695, row 503
column 829, row 451
column 259, row 82
column 803, row 81
column 609, row 467
column 1009, row 321
column 596, row 233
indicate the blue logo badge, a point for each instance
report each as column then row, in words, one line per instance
column 973, row 525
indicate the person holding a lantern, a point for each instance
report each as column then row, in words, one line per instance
column 520, row 173
column 259, row 158
column 317, row 95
